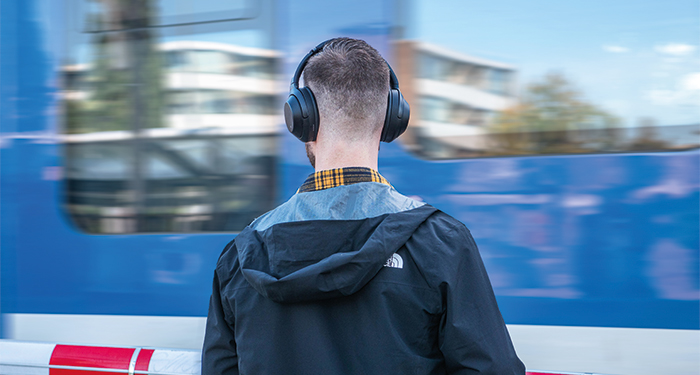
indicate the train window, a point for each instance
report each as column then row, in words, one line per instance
column 506, row 78
column 170, row 129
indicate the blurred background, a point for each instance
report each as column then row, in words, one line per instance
column 138, row 136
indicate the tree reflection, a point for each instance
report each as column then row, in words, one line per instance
column 647, row 137
column 554, row 117
column 124, row 80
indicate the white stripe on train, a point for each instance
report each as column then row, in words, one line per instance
column 556, row 348
column 623, row 351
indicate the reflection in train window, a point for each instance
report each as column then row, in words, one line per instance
column 185, row 185
column 440, row 65
column 499, row 81
column 481, row 88
column 112, row 15
column 451, row 112
column 220, row 101
column 169, row 130
column 194, row 57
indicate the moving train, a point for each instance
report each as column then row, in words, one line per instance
column 138, row 137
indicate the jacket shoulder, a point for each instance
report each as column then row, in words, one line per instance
column 442, row 244
column 447, row 227
column 227, row 260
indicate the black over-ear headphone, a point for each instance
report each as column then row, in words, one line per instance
column 301, row 111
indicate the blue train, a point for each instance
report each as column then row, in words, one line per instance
column 137, row 138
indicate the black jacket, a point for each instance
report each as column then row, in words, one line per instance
column 356, row 279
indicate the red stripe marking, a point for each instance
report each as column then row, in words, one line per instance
column 144, row 359
column 90, row 356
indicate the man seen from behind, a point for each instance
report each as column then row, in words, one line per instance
column 349, row 276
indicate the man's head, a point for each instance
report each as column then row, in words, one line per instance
column 350, row 82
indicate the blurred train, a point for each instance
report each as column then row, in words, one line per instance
column 138, row 136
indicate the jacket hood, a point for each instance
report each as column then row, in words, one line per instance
column 309, row 260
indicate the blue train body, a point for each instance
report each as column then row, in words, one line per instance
column 596, row 240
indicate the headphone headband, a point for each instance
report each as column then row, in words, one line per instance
column 302, row 64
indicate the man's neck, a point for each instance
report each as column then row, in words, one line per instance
column 346, row 155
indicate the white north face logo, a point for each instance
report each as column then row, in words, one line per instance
column 394, row 262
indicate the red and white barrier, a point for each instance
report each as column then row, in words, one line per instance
column 30, row 358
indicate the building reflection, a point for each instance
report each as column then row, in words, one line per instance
column 467, row 107
column 454, row 98
column 208, row 163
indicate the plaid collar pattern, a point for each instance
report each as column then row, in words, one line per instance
column 340, row 176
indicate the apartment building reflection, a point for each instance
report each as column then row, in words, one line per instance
column 453, row 96
column 209, row 163
column 215, row 85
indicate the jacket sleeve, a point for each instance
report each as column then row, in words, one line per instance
column 219, row 350
column 472, row 334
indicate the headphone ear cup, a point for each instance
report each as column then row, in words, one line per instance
column 293, row 115
column 397, row 114
column 310, row 112
column 301, row 114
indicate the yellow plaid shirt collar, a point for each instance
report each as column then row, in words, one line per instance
column 340, row 176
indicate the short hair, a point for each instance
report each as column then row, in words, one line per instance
column 350, row 81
